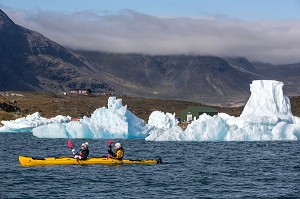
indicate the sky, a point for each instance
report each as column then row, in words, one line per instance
column 260, row 30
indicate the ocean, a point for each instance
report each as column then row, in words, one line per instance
column 189, row 170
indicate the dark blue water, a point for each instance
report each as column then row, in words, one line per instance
column 190, row 170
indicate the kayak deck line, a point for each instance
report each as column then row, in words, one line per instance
column 37, row 161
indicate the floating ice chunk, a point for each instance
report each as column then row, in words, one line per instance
column 115, row 121
column 53, row 130
column 161, row 120
column 202, row 129
column 78, row 129
column 170, row 134
column 26, row 124
column 29, row 121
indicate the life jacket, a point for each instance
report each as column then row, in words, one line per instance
column 119, row 154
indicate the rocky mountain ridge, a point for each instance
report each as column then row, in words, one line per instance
column 31, row 62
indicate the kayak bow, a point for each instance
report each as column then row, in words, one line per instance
column 31, row 161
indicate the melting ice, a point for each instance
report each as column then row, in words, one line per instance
column 266, row 116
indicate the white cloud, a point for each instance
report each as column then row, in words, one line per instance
column 130, row 31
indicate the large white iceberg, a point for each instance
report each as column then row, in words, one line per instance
column 115, row 121
column 267, row 116
column 268, row 102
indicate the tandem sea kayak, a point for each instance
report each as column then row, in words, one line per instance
column 32, row 161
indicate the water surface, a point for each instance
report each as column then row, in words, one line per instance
column 190, row 170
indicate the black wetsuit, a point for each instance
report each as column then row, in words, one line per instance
column 84, row 153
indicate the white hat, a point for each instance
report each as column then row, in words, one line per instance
column 118, row 145
column 85, row 144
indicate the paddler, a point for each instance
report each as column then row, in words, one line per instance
column 83, row 153
column 119, row 152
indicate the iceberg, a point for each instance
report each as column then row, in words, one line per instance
column 267, row 102
column 202, row 129
column 162, row 120
column 26, row 124
column 115, row 121
column 267, row 116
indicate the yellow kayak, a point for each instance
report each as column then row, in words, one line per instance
column 31, row 161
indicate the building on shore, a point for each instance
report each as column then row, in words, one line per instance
column 81, row 91
column 188, row 114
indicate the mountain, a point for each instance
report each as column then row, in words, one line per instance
column 185, row 77
column 205, row 79
column 31, row 62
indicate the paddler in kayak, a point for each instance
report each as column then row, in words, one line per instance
column 83, row 153
column 119, row 152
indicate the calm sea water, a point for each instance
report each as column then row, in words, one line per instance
column 190, row 170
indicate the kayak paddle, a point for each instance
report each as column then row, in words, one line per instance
column 110, row 142
column 70, row 144
column 71, row 147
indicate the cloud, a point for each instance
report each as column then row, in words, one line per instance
column 132, row 32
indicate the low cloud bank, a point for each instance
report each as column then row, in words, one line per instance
column 129, row 31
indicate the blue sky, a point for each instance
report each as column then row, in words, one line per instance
column 240, row 9
column 260, row 30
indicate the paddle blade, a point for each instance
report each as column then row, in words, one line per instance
column 70, row 144
column 110, row 142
